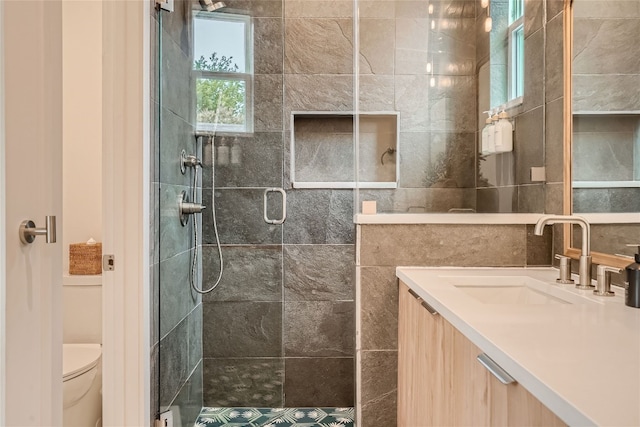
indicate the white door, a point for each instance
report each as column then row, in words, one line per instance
column 32, row 157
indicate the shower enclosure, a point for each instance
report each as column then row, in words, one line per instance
column 305, row 110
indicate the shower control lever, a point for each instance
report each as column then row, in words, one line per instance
column 186, row 208
column 188, row 161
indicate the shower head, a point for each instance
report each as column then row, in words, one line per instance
column 210, row 6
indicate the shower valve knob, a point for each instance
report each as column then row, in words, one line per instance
column 192, row 208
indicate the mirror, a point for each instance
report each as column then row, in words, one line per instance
column 605, row 123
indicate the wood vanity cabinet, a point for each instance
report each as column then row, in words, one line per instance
column 441, row 383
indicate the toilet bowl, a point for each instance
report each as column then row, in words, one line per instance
column 82, row 385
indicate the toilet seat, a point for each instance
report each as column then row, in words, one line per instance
column 78, row 359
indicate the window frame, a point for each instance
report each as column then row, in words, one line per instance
column 515, row 61
column 245, row 77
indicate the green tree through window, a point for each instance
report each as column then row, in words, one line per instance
column 219, row 100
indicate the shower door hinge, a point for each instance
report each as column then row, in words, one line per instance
column 165, row 4
column 108, row 263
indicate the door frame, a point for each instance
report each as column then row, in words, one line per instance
column 126, row 190
column 3, row 234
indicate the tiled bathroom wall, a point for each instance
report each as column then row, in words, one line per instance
column 384, row 247
column 504, row 179
column 606, row 139
column 176, row 365
column 279, row 329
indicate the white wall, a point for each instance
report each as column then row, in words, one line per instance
column 82, row 123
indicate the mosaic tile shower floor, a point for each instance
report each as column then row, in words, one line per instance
column 276, row 417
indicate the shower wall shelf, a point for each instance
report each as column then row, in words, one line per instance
column 323, row 155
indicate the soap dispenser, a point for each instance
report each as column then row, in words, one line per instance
column 503, row 135
column 487, row 143
column 632, row 287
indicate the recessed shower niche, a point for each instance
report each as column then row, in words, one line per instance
column 323, row 155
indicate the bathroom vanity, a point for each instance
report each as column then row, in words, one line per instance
column 509, row 346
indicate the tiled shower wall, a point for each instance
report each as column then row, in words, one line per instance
column 279, row 330
column 176, row 363
column 504, row 179
column 384, row 247
column 606, row 146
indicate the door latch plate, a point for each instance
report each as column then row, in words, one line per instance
column 108, row 263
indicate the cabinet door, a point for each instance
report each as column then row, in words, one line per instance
column 421, row 390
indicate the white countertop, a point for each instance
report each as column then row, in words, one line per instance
column 580, row 360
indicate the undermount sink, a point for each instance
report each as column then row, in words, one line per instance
column 514, row 290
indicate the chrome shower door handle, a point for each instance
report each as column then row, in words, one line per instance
column 28, row 230
column 284, row 206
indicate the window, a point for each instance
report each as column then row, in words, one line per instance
column 223, row 71
column 516, row 49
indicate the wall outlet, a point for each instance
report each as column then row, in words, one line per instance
column 166, row 419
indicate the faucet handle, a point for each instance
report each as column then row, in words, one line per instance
column 565, row 270
column 603, row 287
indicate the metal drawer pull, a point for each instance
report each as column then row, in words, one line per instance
column 495, row 369
column 284, row 206
column 429, row 308
column 423, row 302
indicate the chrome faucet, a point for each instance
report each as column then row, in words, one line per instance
column 585, row 257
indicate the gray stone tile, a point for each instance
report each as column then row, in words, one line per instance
column 379, row 388
column 311, row 382
column 154, row 384
column 613, row 238
column 176, row 297
column 497, row 170
column 533, row 16
column 539, row 248
column 305, row 92
column 319, row 328
column 377, row 45
column 268, row 102
column 251, row 273
column 319, row 272
column 178, row 93
column 177, row 25
column 447, row 106
column 606, row 46
column 605, row 93
column 177, row 135
column 554, row 60
column 174, row 360
column 319, row 216
column 188, row 402
column 154, row 303
column 174, row 238
column 378, row 308
column 447, row 9
column 421, row 200
column 497, row 199
column 240, row 219
column 194, row 336
column 610, row 9
column 268, row 47
column 318, row 46
column 256, row 382
column 260, row 161
column 437, row 159
column 256, row 9
column 606, row 200
column 376, row 93
column 528, row 144
column 531, row 198
column 603, row 156
column 319, row 9
column 242, row 329
column 554, row 141
column 554, row 8
column 376, row 8
column 604, row 123
column 554, row 198
column 392, row 245
column 534, row 71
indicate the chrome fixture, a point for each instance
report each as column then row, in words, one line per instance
column 210, row 6
column 188, row 161
column 186, row 208
column 390, row 151
column 284, row 206
column 585, row 257
column 495, row 369
column 28, row 230
column 565, row 270
column 603, row 287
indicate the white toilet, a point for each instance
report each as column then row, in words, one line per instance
column 82, row 387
